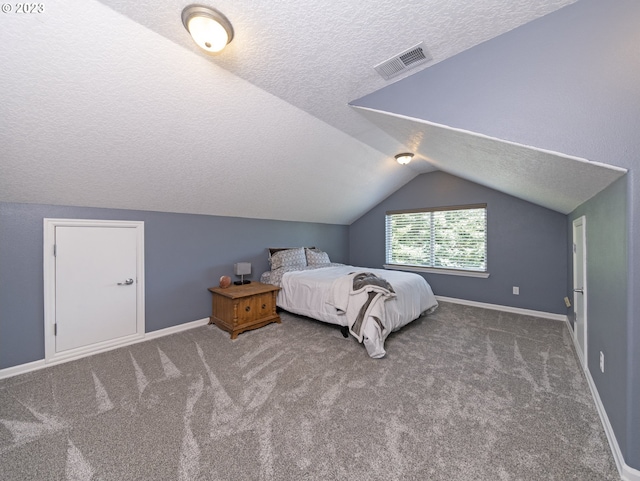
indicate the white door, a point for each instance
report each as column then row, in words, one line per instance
column 580, row 287
column 96, row 295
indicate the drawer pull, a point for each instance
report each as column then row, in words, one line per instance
column 264, row 306
column 248, row 308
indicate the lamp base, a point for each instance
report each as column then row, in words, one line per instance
column 239, row 283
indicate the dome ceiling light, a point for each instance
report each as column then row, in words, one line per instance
column 404, row 158
column 210, row 29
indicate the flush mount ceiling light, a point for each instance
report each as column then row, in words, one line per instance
column 209, row 28
column 404, row 158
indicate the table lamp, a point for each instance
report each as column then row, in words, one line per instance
column 241, row 269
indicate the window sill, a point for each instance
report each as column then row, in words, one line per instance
column 433, row 270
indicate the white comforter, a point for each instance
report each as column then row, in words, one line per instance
column 309, row 293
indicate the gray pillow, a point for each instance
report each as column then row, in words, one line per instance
column 316, row 257
column 289, row 258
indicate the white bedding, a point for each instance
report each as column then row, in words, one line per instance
column 306, row 292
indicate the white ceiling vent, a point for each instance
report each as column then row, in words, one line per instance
column 404, row 61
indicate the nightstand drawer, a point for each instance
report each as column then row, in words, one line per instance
column 254, row 307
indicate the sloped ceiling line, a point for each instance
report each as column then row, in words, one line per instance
column 554, row 180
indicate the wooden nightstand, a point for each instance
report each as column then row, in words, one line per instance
column 239, row 308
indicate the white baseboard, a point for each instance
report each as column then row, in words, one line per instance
column 627, row 473
column 174, row 329
column 630, row 474
column 22, row 368
column 35, row 365
column 497, row 307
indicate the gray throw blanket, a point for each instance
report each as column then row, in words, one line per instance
column 362, row 282
column 360, row 297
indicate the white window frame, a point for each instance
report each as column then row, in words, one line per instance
column 428, row 266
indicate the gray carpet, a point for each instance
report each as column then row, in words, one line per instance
column 463, row 394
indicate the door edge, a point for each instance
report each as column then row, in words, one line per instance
column 583, row 220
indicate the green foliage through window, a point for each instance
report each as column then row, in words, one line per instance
column 448, row 238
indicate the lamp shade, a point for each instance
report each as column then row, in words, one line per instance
column 242, row 268
column 209, row 28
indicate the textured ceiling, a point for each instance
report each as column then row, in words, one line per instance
column 87, row 120
column 110, row 104
column 319, row 56
column 549, row 179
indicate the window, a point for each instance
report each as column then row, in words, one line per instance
column 448, row 238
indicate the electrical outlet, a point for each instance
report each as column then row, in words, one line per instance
column 601, row 361
column 516, row 291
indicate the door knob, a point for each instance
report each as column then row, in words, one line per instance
column 128, row 282
column 580, row 290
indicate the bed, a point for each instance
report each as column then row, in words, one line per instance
column 369, row 303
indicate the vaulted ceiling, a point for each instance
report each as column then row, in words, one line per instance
column 111, row 104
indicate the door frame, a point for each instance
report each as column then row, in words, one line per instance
column 580, row 221
column 49, row 271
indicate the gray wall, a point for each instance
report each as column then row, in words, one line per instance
column 526, row 243
column 568, row 82
column 607, row 315
column 184, row 255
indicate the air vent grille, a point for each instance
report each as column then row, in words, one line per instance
column 413, row 56
column 403, row 62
